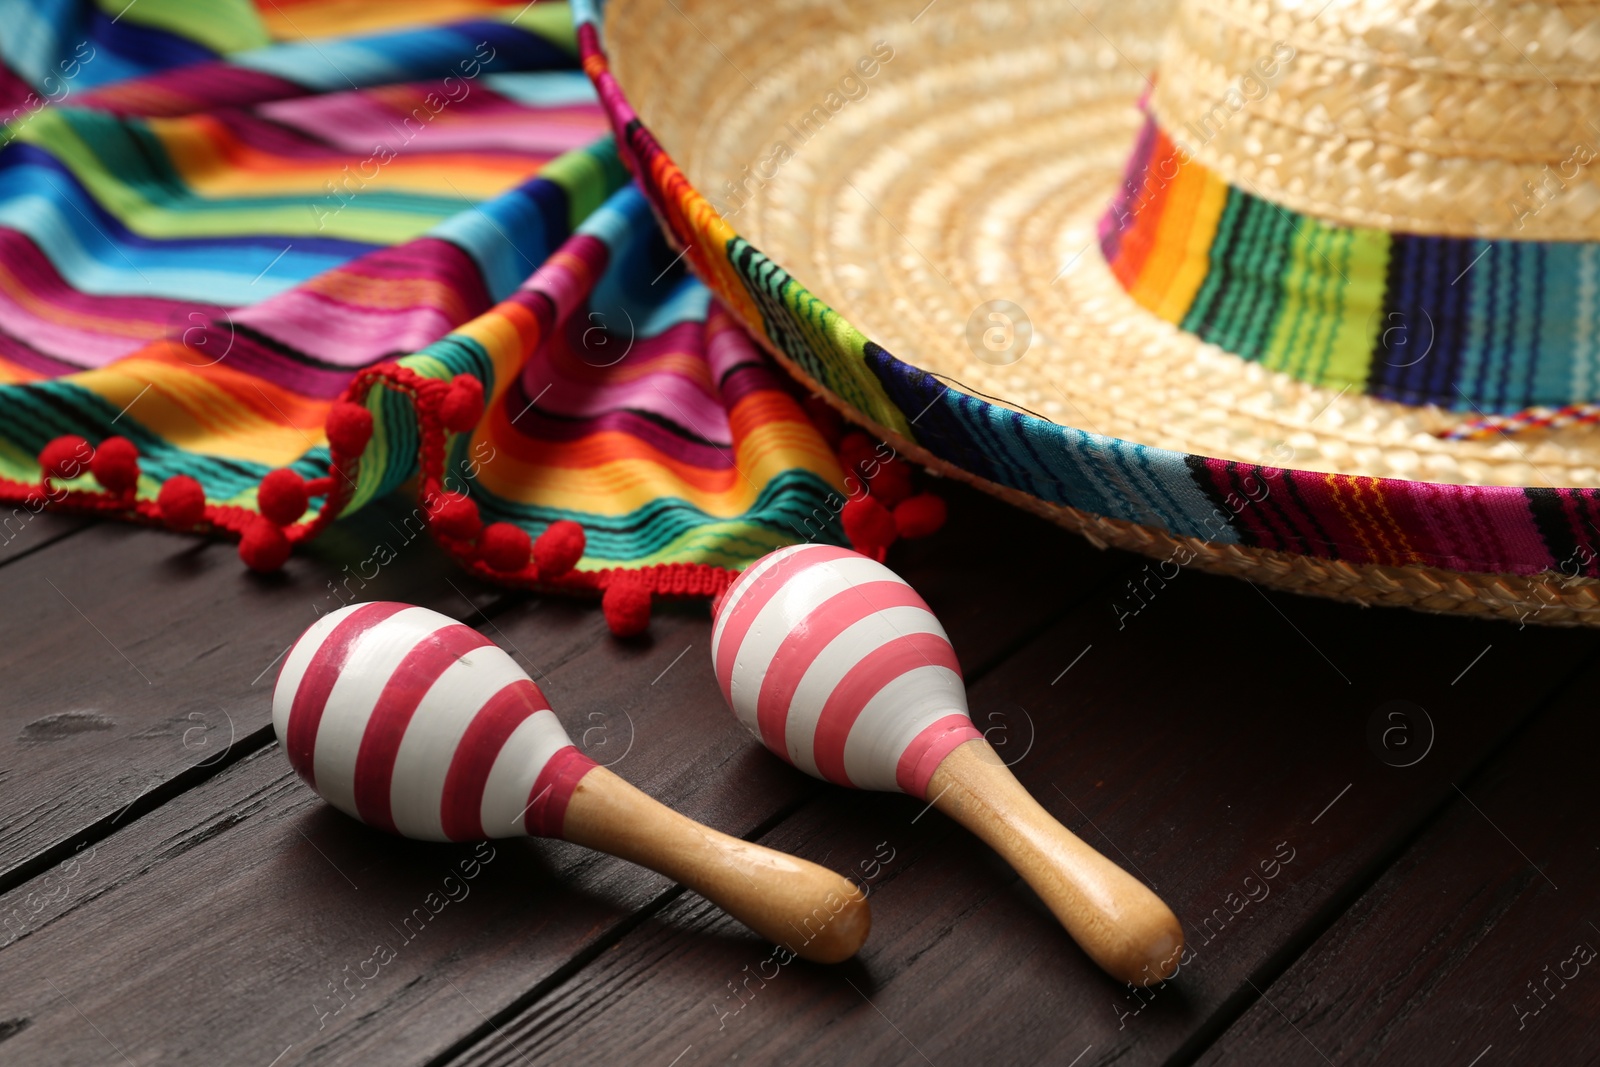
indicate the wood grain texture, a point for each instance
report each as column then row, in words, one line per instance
column 133, row 657
column 224, row 925
column 1217, row 744
column 1114, row 917
column 1482, row 940
column 815, row 913
column 23, row 531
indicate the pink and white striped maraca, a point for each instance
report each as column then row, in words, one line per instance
column 838, row 666
column 416, row 724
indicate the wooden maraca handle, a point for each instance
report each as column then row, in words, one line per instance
column 815, row 913
column 1118, row 921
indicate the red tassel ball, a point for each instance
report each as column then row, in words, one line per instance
column 349, row 428
column 626, row 606
column 920, row 515
column 869, row 526
column 282, row 497
column 505, row 547
column 892, row 483
column 66, row 457
column 559, row 548
column 463, row 404
column 457, row 517
column 263, row 547
column 855, row 449
column 116, row 465
column 182, row 502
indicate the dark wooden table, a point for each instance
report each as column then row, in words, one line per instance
column 1377, row 828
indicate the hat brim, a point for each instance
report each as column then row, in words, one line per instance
column 952, row 177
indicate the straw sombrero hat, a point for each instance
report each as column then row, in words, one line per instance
column 1305, row 292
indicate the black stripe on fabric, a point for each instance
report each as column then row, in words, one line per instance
column 1536, row 327
column 1238, row 209
column 1450, row 281
column 1477, row 392
column 1200, row 474
column 1323, row 545
column 1384, row 378
column 1561, row 540
column 1258, row 326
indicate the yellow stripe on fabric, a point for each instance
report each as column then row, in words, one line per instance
column 213, row 411
column 216, row 167
column 620, row 486
column 506, row 343
column 704, row 544
column 295, row 21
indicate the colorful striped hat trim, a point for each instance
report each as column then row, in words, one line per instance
column 1469, row 324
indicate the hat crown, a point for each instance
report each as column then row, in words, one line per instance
column 1435, row 117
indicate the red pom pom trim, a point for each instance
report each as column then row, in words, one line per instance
column 505, row 547
column 869, row 526
column 500, row 553
column 626, row 606
column 282, row 497
column 855, row 450
column 182, row 502
column 457, row 517
column 116, row 465
column 559, row 548
column 889, row 482
column 920, row 515
column 462, row 406
column 263, row 547
column 349, row 428
column 66, row 458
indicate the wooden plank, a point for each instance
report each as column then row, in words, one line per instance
column 133, row 658
column 209, row 930
column 223, row 926
column 1217, row 744
column 1479, row 945
column 22, row 531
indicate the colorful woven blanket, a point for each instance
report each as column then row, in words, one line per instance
column 261, row 264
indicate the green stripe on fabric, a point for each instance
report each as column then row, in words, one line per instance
column 1207, row 293
column 1363, row 264
column 1257, row 332
column 589, row 176
column 553, row 22
column 808, row 331
column 1243, row 287
column 124, row 167
column 1301, row 300
column 221, row 25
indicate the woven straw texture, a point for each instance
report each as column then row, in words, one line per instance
column 973, row 167
column 1421, row 117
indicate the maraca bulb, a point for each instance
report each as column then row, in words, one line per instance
column 838, row 666
column 414, row 723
